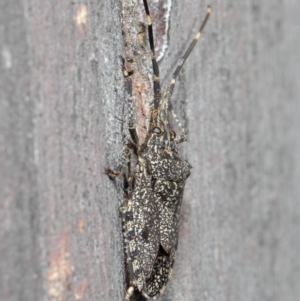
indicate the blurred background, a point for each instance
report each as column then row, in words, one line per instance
column 62, row 123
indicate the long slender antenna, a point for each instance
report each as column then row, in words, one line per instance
column 169, row 90
column 156, row 83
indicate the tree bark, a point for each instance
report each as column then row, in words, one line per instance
column 63, row 120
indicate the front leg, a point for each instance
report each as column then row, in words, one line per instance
column 133, row 144
column 128, row 95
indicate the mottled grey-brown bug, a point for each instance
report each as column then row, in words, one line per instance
column 154, row 190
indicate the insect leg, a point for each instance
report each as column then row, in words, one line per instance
column 168, row 92
column 129, row 293
column 125, row 213
column 128, row 89
column 114, row 173
column 156, row 81
column 134, row 272
column 184, row 135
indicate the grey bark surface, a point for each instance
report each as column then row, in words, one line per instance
column 62, row 123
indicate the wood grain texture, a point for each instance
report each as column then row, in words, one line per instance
column 61, row 125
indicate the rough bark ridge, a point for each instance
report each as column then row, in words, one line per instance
column 61, row 125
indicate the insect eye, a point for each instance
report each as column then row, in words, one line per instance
column 156, row 130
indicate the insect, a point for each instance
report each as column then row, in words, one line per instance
column 151, row 210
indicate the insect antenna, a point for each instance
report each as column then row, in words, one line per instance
column 156, row 82
column 169, row 90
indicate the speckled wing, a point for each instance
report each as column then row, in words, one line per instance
column 171, row 198
column 168, row 166
column 171, row 173
column 146, row 219
column 161, row 273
